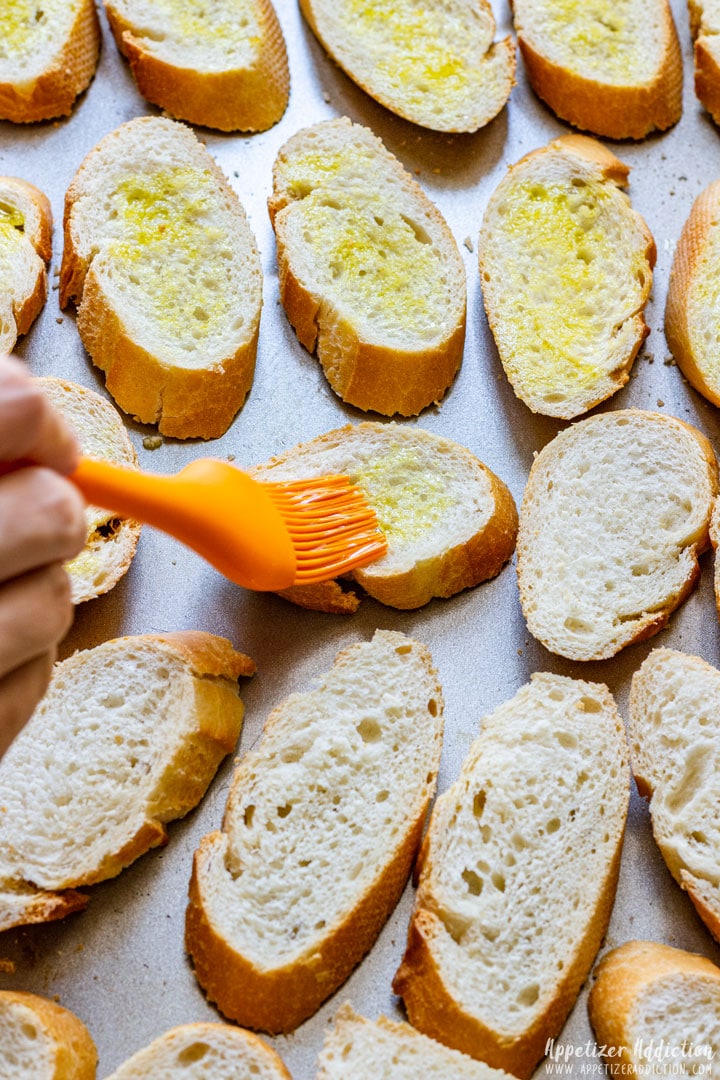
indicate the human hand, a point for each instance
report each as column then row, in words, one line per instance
column 42, row 524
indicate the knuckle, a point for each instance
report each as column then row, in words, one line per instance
column 63, row 508
column 58, row 597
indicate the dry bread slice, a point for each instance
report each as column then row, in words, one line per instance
column 615, row 513
column 674, row 732
column 163, row 266
column 650, row 999
column 362, row 1050
column 127, row 738
column 25, row 248
column 370, row 275
column 39, row 1040
column 434, row 64
column 449, row 521
column 705, row 27
column 566, row 270
column 111, row 541
column 321, row 828
column 612, row 67
column 48, row 56
column 222, row 65
column 517, row 874
column 204, row 1052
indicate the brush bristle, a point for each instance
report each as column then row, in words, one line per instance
column 332, row 527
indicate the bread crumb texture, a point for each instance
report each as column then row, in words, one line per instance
column 29, row 27
column 42, row 1040
column 204, row 1051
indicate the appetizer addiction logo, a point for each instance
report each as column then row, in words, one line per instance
column 649, row 1057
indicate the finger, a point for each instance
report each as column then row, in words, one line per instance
column 20, row 691
column 42, row 521
column 36, row 612
column 29, row 426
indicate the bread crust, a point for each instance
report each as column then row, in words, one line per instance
column 37, row 230
column 75, row 1056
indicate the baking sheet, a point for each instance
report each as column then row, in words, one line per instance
column 120, row 965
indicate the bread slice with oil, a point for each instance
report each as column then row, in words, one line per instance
column 204, row 1051
column 705, row 27
column 127, row 738
column 25, row 249
column 321, row 828
column 517, row 875
column 111, row 541
column 163, row 267
column 450, row 523
column 615, row 514
column 611, row 68
column 221, row 65
column 674, row 732
column 656, row 1010
column 566, row 270
column 49, row 55
column 370, row 275
column 40, row 1040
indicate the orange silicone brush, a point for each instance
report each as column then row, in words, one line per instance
column 259, row 535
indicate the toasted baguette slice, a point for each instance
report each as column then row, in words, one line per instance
column 204, row 1052
column 223, row 65
column 705, row 26
column 370, row 275
column 111, row 541
column 658, row 1009
column 362, row 1050
column 50, row 52
column 434, row 64
column 674, row 732
column 127, row 738
column 566, row 269
column 39, row 1040
column 611, row 68
column 322, row 825
column 449, row 522
column 25, row 248
column 615, row 513
column 162, row 264
column 517, row 874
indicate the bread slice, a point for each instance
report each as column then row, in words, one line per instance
column 450, row 523
column 705, row 27
column 40, row 1040
column 674, row 732
column 321, row 828
column 50, row 52
column 517, row 874
column 25, row 248
column 370, row 275
column 615, row 513
column 433, row 64
column 204, row 1052
column 658, row 1009
column 127, row 738
column 111, row 541
column 222, row 65
column 383, row 1050
column 613, row 69
column 566, row 270
column 162, row 264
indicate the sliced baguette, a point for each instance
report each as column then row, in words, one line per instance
column 450, row 523
column 127, row 738
column 434, row 64
column 39, row 1040
column 48, row 56
column 615, row 513
column 611, row 68
column 25, row 248
column 705, row 27
column 370, row 275
column 222, row 65
column 566, row 270
column 362, row 1050
column 674, row 732
column 162, row 264
column 204, row 1052
column 321, row 829
column 517, row 875
column 651, row 1000
column 111, row 541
